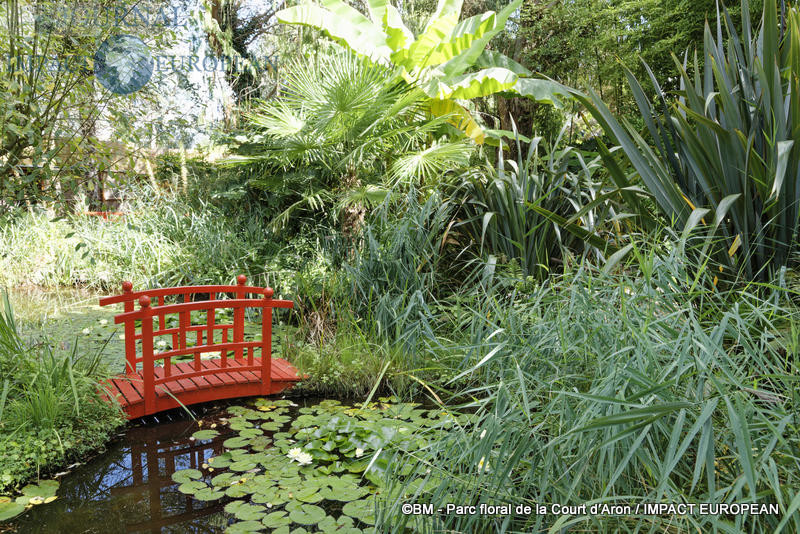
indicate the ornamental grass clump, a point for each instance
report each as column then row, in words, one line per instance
column 726, row 146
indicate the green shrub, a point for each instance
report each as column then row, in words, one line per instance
column 510, row 212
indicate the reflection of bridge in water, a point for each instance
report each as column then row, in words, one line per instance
column 153, row 460
column 130, row 488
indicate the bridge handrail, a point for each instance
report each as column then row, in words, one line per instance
column 166, row 309
column 128, row 295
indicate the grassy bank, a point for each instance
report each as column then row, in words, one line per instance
column 50, row 410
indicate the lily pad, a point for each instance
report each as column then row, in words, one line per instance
column 330, row 525
column 245, row 511
column 271, row 426
column 10, row 509
column 260, row 443
column 205, row 434
column 192, row 487
column 223, row 460
column 44, row 489
column 242, row 465
column 208, row 494
column 276, row 519
column 363, row 510
column 186, row 475
column 307, row 514
column 245, row 527
column 250, row 433
column 235, row 443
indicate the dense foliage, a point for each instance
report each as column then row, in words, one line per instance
column 50, row 406
column 608, row 288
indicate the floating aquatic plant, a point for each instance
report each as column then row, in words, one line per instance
column 320, row 471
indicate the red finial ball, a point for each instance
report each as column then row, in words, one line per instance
column 268, row 292
column 127, row 286
column 241, row 279
column 144, row 301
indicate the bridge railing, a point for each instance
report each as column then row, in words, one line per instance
column 232, row 335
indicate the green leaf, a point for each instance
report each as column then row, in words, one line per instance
column 10, row 509
column 186, row 475
column 276, row 519
column 307, row 514
column 356, row 32
column 205, row 434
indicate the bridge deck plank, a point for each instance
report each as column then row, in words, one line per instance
column 224, row 384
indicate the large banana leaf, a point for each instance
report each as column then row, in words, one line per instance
column 469, row 57
column 540, row 90
column 477, row 84
column 436, row 48
column 341, row 25
column 459, row 117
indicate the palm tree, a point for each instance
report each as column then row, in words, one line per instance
column 345, row 132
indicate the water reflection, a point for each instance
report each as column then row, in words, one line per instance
column 130, row 489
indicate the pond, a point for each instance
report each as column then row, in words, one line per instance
column 259, row 465
column 247, row 465
column 129, row 489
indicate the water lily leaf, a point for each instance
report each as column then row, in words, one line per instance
column 185, row 475
column 224, row 480
column 239, row 423
column 250, row 433
column 245, row 526
column 10, row 509
column 271, row 426
column 346, row 495
column 270, row 496
column 276, row 519
column 235, row 443
column 192, row 487
column 276, row 417
column 245, row 511
column 260, row 443
column 205, row 434
column 363, row 510
column 208, row 494
column 223, row 460
column 330, row 525
column 307, row 514
column 308, row 495
column 242, row 465
column 44, row 489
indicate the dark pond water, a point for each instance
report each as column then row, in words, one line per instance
column 129, row 487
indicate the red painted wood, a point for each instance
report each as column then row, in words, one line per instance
column 149, row 388
column 181, row 290
column 266, row 345
column 147, row 354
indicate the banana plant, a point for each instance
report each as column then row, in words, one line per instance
column 448, row 60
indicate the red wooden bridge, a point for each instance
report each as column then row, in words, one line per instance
column 147, row 387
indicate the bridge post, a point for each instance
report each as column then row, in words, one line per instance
column 266, row 343
column 238, row 317
column 148, row 372
column 130, row 333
